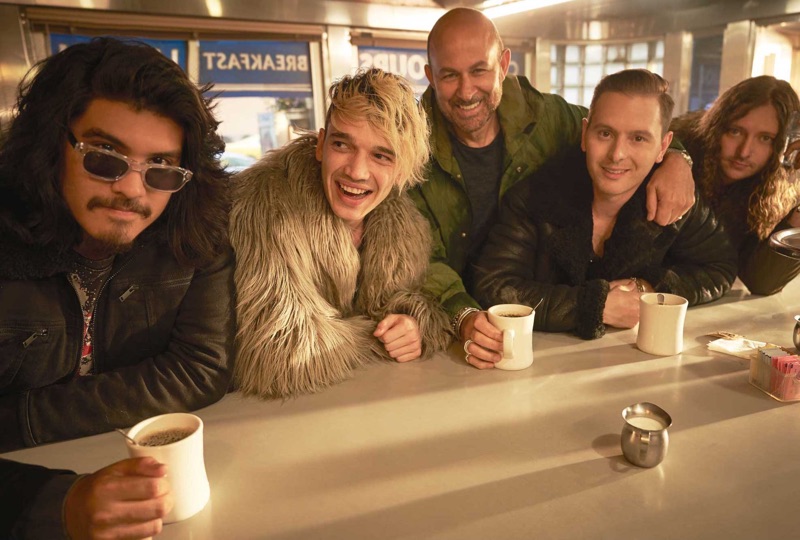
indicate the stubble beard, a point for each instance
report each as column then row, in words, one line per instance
column 113, row 242
column 490, row 102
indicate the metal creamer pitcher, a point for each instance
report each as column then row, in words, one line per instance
column 645, row 437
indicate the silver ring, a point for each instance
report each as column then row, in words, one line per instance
column 466, row 359
column 466, row 344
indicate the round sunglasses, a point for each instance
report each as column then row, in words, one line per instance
column 110, row 166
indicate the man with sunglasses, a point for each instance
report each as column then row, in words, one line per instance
column 116, row 291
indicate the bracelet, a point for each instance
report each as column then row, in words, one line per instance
column 684, row 154
column 459, row 318
column 639, row 284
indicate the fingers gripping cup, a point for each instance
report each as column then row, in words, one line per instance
column 661, row 318
column 516, row 323
column 175, row 440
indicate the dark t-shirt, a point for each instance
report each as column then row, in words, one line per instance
column 482, row 170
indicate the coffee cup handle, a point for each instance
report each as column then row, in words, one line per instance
column 508, row 344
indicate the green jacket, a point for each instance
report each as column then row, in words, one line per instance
column 535, row 127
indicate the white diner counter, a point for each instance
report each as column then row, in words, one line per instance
column 439, row 450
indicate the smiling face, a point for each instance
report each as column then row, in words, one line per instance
column 622, row 140
column 467, row 69
column 747, row 144
column 358, row 168
column 113, row 214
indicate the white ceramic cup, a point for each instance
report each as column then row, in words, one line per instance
column 516, row 323
column 186, row 470
column 661, row 324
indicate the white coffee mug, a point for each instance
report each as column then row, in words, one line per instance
column 186, row 470
column 516, row 323
column 661, row 318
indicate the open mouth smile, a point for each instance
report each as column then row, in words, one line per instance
column 352, row 192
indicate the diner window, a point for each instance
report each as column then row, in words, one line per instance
column 577, row 68
column 263, row 94
column 262, row 89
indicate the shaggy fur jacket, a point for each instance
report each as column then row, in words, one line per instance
column 308, row 299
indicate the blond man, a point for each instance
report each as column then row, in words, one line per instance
column 331, row 252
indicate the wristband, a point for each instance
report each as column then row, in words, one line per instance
column 684, row 154
column 639, row 284
column 459, row 318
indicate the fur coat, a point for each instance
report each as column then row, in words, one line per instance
column 308, row 300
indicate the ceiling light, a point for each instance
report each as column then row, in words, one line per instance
column 499, row 8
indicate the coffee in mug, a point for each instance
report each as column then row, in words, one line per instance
column 168, row 436
column 176, row 440
column 516, row 323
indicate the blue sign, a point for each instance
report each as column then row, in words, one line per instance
column 171, row 48
column 410, row 63
column 517, row 64
column 256, row 68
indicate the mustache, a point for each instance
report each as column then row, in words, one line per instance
column 120, row 203
column 458, row 102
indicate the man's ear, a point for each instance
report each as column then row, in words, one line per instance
column 429, row 74
column 505, row 61
column 584, row 127
column 665, row 142
column 320, row 144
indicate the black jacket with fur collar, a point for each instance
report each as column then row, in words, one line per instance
column 541, row 248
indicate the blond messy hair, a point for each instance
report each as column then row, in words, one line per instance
column 387, row 103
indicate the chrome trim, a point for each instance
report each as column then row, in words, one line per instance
column 306, row 12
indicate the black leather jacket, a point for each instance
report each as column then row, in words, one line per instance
column 163, row 342
column 541, row 248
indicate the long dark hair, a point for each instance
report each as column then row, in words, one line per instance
column 58, row 90
column 774, row 193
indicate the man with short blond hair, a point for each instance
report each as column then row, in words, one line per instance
column 331, row 252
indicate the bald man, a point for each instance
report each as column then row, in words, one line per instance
column 490, row 130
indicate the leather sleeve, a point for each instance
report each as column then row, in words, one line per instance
column 513, row 269
column 27, row 491
column 762, row 269
column 191, row 371
column 700, row 265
